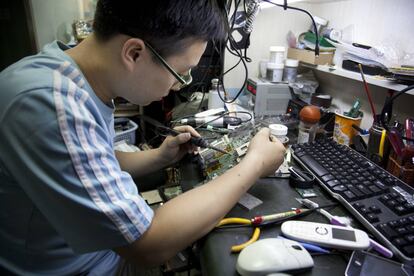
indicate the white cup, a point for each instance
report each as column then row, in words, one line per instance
column 263, row 68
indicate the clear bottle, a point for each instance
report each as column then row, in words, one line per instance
column 308, row 124
column 214, row 100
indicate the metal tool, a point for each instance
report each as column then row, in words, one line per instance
column 256, row 222
column 196, row 141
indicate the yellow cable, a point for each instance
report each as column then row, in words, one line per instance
column 382, row 142
column 255, row 237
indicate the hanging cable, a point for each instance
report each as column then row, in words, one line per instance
column 251, row 9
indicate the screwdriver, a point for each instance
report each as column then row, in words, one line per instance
column 198, row 141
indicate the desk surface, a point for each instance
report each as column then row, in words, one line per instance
column 277, row 196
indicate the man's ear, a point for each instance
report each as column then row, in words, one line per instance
column 132, row 52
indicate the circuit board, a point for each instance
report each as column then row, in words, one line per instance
column 214, row 163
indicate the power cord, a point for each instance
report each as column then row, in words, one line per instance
column 285, row 7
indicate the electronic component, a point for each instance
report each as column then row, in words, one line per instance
column 306, row 193
column 214, row 163
column 327, row 235
column 269, row 98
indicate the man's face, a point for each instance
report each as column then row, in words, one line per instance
column 152, row 81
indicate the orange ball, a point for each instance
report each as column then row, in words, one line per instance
column 310, row 114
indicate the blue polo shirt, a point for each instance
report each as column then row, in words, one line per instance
column 64, row 200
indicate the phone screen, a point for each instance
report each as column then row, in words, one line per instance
column 366, row 264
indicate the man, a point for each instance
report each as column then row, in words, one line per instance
column 68, row 204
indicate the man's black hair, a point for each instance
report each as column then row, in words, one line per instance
column 168, row 25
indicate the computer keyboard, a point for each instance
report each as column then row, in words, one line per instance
column 381, row 202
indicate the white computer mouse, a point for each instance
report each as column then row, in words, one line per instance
column 269, row 256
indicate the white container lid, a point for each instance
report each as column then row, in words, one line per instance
column 273, row 66
column 320, row 21
column 292, row 63
column 277, row 49
column 278, row 129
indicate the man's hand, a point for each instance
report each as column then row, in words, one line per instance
column 269, row 153
column 174, row 148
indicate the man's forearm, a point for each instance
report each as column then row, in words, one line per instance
column 191, row 215
column 142, row 162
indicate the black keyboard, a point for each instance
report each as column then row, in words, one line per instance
column 381, row 202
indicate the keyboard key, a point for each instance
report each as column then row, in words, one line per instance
column 409, row 250
column 399, row 242
column 333, row 183
column 355, row 191
column 372, row 218
column 394, row 224
column 315, row 167
column 364, row 190
column 385, row 198
column 339, row 188
column 328, row 177
column 400, row 210
column 400, row 200
column 391, row 203
column 374, row 209
column 387, row 231
column 349, row 195
column 401, row 230
column 410, row 228
column 394, row 194
column 380, row 185
column 374, row 189
column 358, row 205
column 410, row 238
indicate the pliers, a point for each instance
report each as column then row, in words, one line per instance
column 243, row 221
column 256, row 222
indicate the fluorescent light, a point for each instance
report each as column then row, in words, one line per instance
column 265, row 5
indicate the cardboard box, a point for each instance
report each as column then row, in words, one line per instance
column 309, row 56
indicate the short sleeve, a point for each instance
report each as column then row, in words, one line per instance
column 59, row 150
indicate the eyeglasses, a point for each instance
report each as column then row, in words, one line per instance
column 184, row 80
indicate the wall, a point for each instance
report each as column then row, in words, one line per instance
column 375, row 21
column 53, row 18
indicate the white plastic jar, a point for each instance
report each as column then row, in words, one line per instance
column 277, row 54
column 280, row 132
column 290, row 71
column 274, row 72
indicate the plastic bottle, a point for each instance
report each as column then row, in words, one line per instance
column 275, row 72
column 309, row 118
column 291, row 70
column 277, row 54
column 214, row 100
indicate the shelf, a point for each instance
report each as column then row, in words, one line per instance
column 374, row 80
